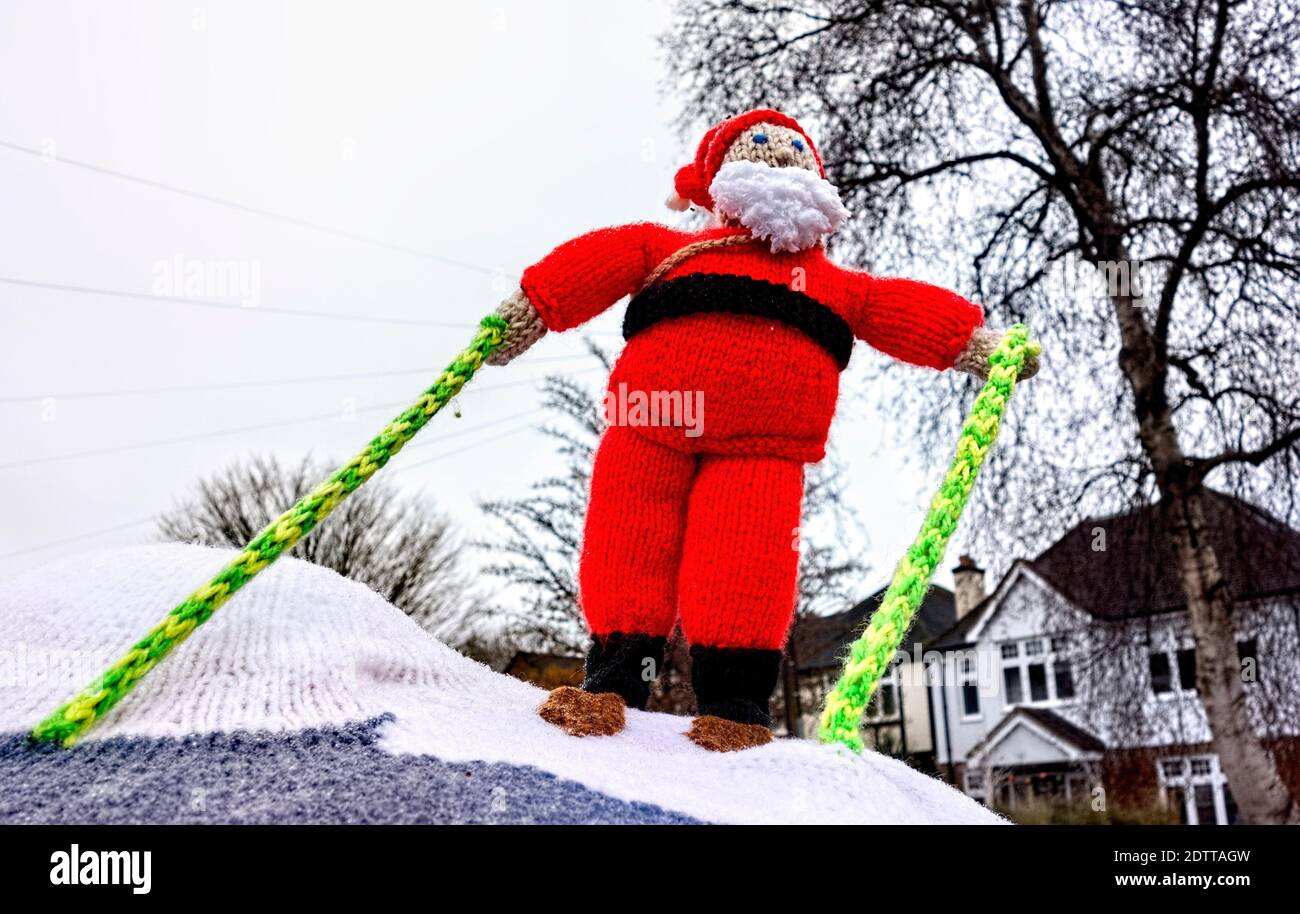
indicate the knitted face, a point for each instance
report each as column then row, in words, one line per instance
column 779, row 147
column 770, row 183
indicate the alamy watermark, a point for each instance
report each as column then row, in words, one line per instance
column 85, row 867
column 1073, row 277
column 682, row 409
column 236, row 281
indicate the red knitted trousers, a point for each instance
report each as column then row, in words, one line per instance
column 711, row 535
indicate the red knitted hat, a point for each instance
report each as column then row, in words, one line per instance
column 693, row 179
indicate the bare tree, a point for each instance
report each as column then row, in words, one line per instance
column 1133, row 667
column 537, row 555
column 397, row 544
column 1008, row 140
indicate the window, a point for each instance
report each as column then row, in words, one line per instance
column 1033, row 674
column 884, row 704
column 1162, row 680
column 1173, row 768
column 1037, row 682
column 1064, row 679
column 1204, row 796
column 888, row 699
column 970, row 693
column 1012, row 686
column 1196, row 791
column 1187, row 669
column 1173, row 671
column 1229, row 806
column 1176, row 798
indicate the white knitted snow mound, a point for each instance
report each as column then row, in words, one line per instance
column 302, row 647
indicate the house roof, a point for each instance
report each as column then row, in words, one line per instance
column 1057, row 726
column 819, row 641
column 1063, row 728
column 1124, row 566
column 959, row 634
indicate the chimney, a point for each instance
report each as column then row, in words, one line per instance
column 969, row 589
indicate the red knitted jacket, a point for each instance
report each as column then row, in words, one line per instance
column 763, row 336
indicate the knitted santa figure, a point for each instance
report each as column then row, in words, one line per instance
column 749, row 324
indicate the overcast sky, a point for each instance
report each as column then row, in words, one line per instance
column 464, row 140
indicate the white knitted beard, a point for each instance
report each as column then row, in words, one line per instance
column 793, row 208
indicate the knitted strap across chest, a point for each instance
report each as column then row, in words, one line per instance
column 690, row 250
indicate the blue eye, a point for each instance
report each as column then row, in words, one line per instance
column 760, row 138
column 797, row 144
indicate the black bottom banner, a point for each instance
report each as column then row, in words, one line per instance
column 213, row 863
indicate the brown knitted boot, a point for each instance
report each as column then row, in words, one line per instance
column 733, row 687
column 580, row 713
column 721, row 735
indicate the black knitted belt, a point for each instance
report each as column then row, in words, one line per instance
column 726, row 293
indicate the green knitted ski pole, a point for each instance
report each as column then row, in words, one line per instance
column 73, row 719
column 871, row 654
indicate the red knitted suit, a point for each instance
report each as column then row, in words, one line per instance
column 704, row 526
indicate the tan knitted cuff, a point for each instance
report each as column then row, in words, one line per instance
column 524, row 327
column 974, row 359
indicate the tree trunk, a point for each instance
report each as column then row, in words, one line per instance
column 1260, row 794
column 790, row 685
column 1256, row 785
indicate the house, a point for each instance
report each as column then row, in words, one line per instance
column 1073, row 681
column 899, row 720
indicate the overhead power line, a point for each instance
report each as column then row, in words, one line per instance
column 246, row 208
column 281, row 382
column 103, row 531
column 452, row 453
column 201, row 436
column 250, row 309
column 76, row 537
column 231, row 306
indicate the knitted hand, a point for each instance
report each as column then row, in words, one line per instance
column 524, row 327
column 974, row 359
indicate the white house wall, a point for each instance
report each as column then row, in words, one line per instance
column 1020, row 608
column 916, row 707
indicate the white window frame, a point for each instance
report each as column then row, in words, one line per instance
column 872, row 714
column 1021, row 659
column 967, row 677
column 1187, row 782
column 1180, row 690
